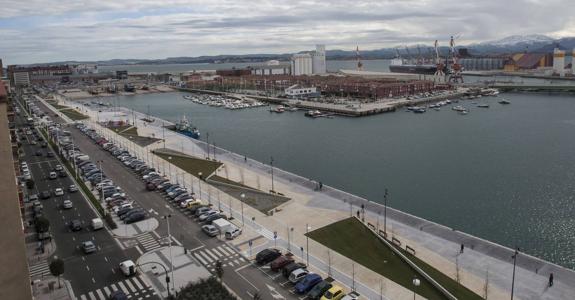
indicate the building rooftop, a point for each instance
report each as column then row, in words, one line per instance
column 15, row 283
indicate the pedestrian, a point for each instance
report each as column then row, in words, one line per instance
column 551, row 280
column 320, row 185
column 462, row 247
column 245, row 159
column 358, row 213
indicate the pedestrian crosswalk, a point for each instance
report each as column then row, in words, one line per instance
column 134, row 288
column 39, row 270
column 148, row 241
column 223, row 253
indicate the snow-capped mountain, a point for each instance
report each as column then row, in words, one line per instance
column 520, row 39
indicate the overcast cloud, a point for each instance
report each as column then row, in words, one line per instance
column 48, row 30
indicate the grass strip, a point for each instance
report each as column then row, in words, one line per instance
column 352, row 239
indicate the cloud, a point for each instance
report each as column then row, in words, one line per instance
column 50, row 30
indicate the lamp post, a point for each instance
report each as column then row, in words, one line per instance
column 167, row 218
column 385, row 213
column 200, row 183
column 169, row 166
column 416, row 283
column 307, row 228
column 290, row 231
column 272, row 171
column 514, row 256
column 165, row 272
column 243, row 196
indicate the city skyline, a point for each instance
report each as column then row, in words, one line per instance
column 98, row 30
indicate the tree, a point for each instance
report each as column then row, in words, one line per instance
column 42, row 224
column 219, row 270
column 57, row 269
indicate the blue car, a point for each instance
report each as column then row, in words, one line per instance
column 308, row 282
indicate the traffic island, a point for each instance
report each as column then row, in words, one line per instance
column 352, row 239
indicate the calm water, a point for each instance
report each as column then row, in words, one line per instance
column 506, row 173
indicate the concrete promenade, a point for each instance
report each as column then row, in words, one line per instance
column 436, row 244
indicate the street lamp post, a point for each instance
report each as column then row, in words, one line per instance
column 416, row 283
column 272, row 171
column 167, row 218
column 307, row 242
column 200, row 183
column 290, row 231
column 514, row 256
column 385, row 213
column 169, row 167
column 243, row 196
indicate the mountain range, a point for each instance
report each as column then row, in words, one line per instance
column 507, row 45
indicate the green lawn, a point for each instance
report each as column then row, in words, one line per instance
column 190, row 164
column 217, row 178
column 73, row 114
column 352, row 239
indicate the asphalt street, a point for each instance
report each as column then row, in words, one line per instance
column 243, row 278
column 86, row 272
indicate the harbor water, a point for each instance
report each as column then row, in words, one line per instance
column 504, row 173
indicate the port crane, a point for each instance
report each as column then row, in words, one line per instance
column 456, row 68
column 439, row 74
column 358, row 58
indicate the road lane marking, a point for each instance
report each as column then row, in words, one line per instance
column 87, row 267
column 93, row 281
column 106, row 259
column 92, row 297
column 107, row 290
column 206, row 257
column 137, row 283
column 123, row 287
column 200, row 259
column 132, row 288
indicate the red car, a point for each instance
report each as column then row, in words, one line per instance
column 280, row 262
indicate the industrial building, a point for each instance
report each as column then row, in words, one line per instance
column 559, row 62
column 482, row 63
column 301, row 64
column 309, row 63
column 300, row 92
column 272, row 67
column 528, row 61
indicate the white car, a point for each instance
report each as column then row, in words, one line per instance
column 58, row 168
column 58, row 192
column 298, row 275
column 67, row 204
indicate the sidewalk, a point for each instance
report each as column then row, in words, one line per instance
column 48, row 289
column 436, row 244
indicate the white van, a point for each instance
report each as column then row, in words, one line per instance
column 232, row 232
column 97, row 224
column 128, row 267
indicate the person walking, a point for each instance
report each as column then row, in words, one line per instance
column 551, row 280
column 462, row 247
column 320, row 185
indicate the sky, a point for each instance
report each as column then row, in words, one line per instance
column 35, row 31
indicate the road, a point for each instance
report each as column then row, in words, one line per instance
column 89, row 274
column 241, row 276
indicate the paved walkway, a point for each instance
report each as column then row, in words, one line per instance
column 436, row 244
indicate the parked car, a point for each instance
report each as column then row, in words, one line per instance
column 286, row 270
column 351, row 296
column 206, row 215
column 307, row 283
column 210, row 230
column 135, row 218
column 297, row 275
column 214, row 217
column 201, row 210
column 52, row 175
column 318, row 290
column 58, row 192
column 280, row 262
column 334, row 293
column 232, row 233
column 267, row 255
column 88, row 247
column 58, row 168
column 72, row 188
column 131, row 212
